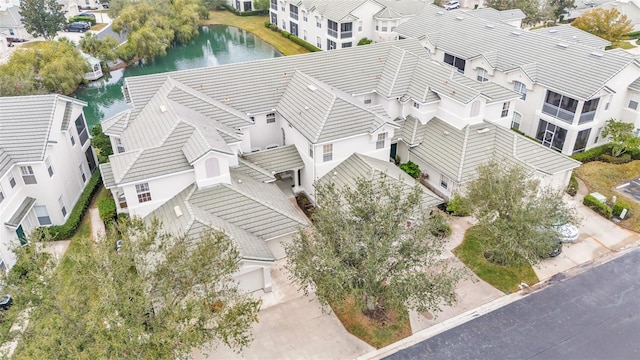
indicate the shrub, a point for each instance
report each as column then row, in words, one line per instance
column 285, row 34
column 634, row 35
column 572, row 189
column 438, row 226
column 267, row 24
column 458, row 207
column 597, row 206
column 592, row 154
column 619, row 206
column 66, row 231
column 87, row 19
column 411, row 168
column 303, row 43
column 622, row 159
column 364, row 41
column 107, row 209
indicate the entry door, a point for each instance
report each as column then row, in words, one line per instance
column 247, row 6
column 549, row 134
column 274, row 19
column 394, row 150
column 238, row 5
column 294, row 28
column 21, row 235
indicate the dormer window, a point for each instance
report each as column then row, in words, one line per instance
column 521, row 89
column 119, row 145
column 271, row 118
column 482, row 75
column 144, row 194
column 416, row 105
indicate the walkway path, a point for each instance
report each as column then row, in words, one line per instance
column 97, row 225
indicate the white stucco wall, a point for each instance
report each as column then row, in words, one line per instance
column 162, row 189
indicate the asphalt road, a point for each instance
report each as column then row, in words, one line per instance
column 594, row 315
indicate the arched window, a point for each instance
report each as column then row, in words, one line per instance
column 213, row 167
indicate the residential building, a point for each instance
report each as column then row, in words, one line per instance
column 45, row 161
column 569, row 86
column 330, row 24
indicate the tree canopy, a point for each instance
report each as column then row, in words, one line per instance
column 52, row 66
column 621, row 135
column 157, row 297
column 362, row 246
column 609, row 24
column 103, row 49
column 535, row 11
column 42, row 17
column 518, row 213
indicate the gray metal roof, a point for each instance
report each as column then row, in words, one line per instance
column 411, row 131
column 10, row 18
column 458, row 152
column 21, row 212
column 572, row 34
column 492, row 14
column 332, row 9
column 276, row 160
column 114, row 125
column 568, row 69
column 254, row 171
column 394, row 9
column 635, row 85
column 25, row 125
column 107, row 176
column 194, row 222
column 358, row 166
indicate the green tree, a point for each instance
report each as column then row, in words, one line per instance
column 101, row 142
column 103, row 49
column 53, row 66
column 42, row 17
column 622, row 137
column 559, row 7
column 609, row 24
column 519, row 214
column 157, row 297
column 364, row 41
column 361, row 246
column 261, row 4
column 533, row 9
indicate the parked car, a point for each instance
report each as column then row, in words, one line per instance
column 15, row 39
column 105, row 5
column 557, row 250
column 5, row 301
column 567, row 232
column 454, row 4
column 87, row 15
column 88, row 7
column 77, row 26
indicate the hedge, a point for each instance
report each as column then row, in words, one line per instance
column 292, row 37
column 107, row 209
column 595, row 205
column 245, row 13
column 592, row 154
column 619, row 206
column 634, row 35
column 66, row 231
column 622, row 159
column 87, row 19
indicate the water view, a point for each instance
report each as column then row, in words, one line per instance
column 216, row 45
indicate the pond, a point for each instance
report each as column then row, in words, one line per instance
column 216, row 45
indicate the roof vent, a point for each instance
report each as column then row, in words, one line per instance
column 553, row 31
column 311, row 87
column 489, row 26
column 597, row 54
column 483, row 130
column 163, row 108
column 177, row 210
column 563, row 45
column 440, row 12
column 516, row 32
column 459, row 17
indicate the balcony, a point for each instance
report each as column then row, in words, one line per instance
column 558, row 113
column 587, row 117
column 293, row 15
column 332, row 33
column 346, row 34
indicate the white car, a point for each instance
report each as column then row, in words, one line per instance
column 566, row 232
column 452, row 5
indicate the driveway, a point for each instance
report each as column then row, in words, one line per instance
column 293, row 326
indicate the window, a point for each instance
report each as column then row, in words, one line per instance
column 482, row 75
column 455, row 62
column 327, row 152
column 73, row 140
column 119, row 145
column 82, row 174
column 367, row 100
column 81, row 127
column 319, row 42
column 346, row 30
column 63, row 209
column 318, row 22
column 12, row 181
column 332, row 28
column 304, row 16
column 271, row 118
column 47, row 161
column 581, row 141
column 444, row 182
column 551, row 135
column 598, row 133
column 294, row 28
column 505, row 109
column 305, row 35
column 27, row 175
column 515, row 120
column 144, row 194
column 274, row 5
column 293, row 11
column 330, row 45
column 284, row 25
column 633, row 102
column 1, row 195
column 588, row 111
column 346, row 45
column 381, row 139
column 311, row 150
column 359, row 26
column 560, row 106
column 416, row 105
column 42, row 214
column 520, row 89
column 383, row 26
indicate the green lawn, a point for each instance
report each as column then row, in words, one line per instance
column 503, row 278
column 255, row 25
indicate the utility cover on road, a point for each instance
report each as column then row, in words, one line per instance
column 595, row 315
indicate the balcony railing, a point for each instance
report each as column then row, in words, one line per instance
column 274, row 7
column 293, row 15
column 558, row 113
column 587, row 117
column 332, row 32
column 346, row 34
